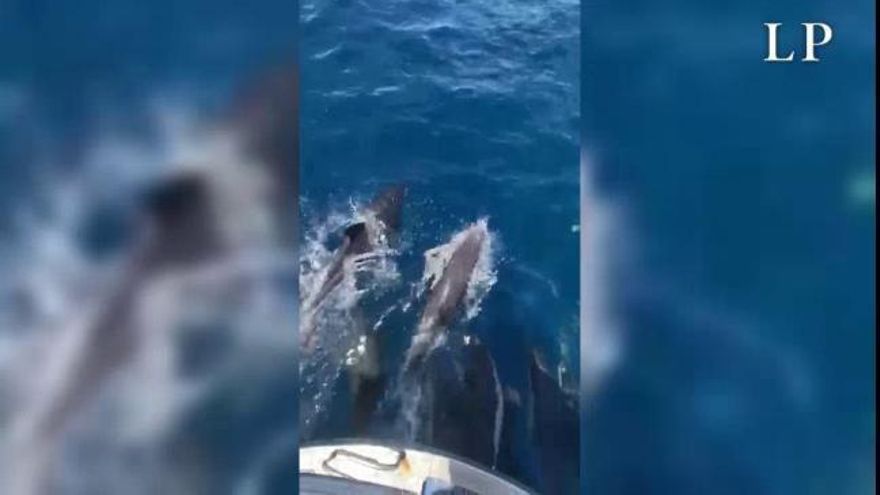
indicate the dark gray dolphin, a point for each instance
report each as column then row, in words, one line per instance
column 383, row 214
column 179, row 224
column 178, row 228
column 382, row 220
column 367, row 382
column 462, row 406
column 448, row 292
column 554, row 430
column 381, row 223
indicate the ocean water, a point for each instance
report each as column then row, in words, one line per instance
column 744, row 199
column 474, row 107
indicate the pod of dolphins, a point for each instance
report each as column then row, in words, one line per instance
column 462, row 402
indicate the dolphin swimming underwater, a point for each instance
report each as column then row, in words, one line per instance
column 553, row 418
column 181, row 225
column 367, row 381
column 447, row 293
column 382, row 221
column 460, row 386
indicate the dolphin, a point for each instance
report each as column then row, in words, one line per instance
column 448, row 292
column 554, row 430
column 460, row 386
column 381, row 223
column 179, row 227
column 382, row 220
column 177, row 230
column 367, row 382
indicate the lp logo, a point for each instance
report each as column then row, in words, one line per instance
column 811, row 42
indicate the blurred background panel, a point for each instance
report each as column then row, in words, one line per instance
column 148, row 282
column 730, row 294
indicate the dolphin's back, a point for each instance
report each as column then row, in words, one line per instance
column 450, row 290
column 461, row 388
column 554, row 416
